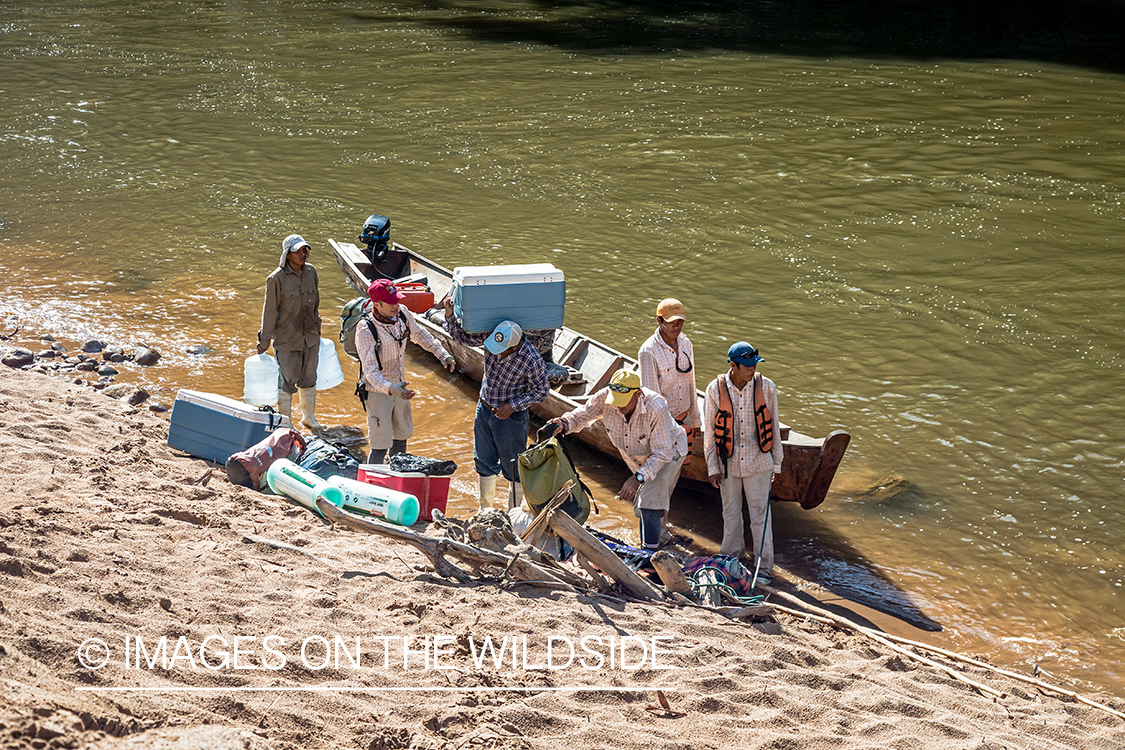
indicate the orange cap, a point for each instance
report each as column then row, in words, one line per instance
column 671, row 309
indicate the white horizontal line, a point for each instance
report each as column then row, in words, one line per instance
column 244, row 689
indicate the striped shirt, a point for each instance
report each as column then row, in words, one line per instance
column 747, row 459
column 520, row 379
column 647, row 440
column 659, row 373
column 392, row 349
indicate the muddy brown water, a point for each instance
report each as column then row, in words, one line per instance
column 927, row 248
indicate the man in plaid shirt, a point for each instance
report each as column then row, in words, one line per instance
column 652, row 445
column 515, row 378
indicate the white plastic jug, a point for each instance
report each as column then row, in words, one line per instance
column 260, row 380
column 381, row 502
column 329, row 374
column 296, row 483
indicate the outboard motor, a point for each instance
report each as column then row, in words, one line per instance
column 376, row 236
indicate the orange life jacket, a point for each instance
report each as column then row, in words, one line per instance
column 762, row 417
column 724, row 424
column 724, row 421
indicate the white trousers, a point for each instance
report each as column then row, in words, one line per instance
column 757, row 491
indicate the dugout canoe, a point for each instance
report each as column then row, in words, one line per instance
column 810, row 463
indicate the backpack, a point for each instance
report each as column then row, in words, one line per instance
column 327, row 459
column 353, row 312
column 544, row 468
column 247, row 467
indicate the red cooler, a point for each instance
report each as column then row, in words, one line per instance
column 432, row 492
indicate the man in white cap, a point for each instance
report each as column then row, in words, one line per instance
column 515, row 378
column 291, row 321
column 652, row 445
column 380, row 340
column 742, row 444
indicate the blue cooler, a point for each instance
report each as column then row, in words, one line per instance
column 532, row 294
column 213, row 427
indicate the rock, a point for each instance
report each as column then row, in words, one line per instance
column 113, row 354
column 147, row 357
column 157, row 408
column 47, row 354
column 106, row 371
column 118, row 391
column 72, row 360
column 137, row 397
column 93, row 346
column 199, row 350
column 18, row 357
column 47, row 338
column 88, row 365
column 59, row 347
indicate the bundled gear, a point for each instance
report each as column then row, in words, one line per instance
column 431, row 467
column 543, row 469
column 246, row 468
column 327, row 459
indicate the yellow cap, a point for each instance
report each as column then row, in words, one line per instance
column 671, row 309
column 622, row 386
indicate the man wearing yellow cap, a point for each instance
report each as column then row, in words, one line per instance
column 652, row 445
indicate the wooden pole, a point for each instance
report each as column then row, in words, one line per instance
column 671, row 573
column 592, row 549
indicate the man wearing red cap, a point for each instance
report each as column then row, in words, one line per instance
column 291, row 321
column 380, row 340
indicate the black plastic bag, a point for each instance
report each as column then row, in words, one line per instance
column 327, row 459
column 431, row 467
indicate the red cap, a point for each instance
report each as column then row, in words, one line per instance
column 385, row 291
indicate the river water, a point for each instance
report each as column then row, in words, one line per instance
column 927, row 250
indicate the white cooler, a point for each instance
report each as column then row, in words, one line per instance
column 532, row 294
column 213, row 427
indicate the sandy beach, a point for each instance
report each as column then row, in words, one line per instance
column 111, row 544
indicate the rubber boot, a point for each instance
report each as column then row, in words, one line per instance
column 308, row 408
column 515, row 495
column 487, row 491
column 397, row 447
column 285, row 405
column 377, row 455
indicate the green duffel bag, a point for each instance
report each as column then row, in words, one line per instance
column 544, row 468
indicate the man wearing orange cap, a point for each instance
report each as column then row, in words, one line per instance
column 380, row 340
column 652, row 445
column 668, row 367
column 291, row 321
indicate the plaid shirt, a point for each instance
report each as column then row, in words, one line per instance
column 748, row 458
column 520, row 379
column 647, row 440
column 659, row 373
column 392, row 349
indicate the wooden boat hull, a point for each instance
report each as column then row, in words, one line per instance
column 809, row 463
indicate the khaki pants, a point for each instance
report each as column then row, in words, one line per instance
column 296, row 368
column 388, row 419
column 757, row 491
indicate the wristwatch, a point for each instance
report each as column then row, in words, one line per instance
column 639, row 477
